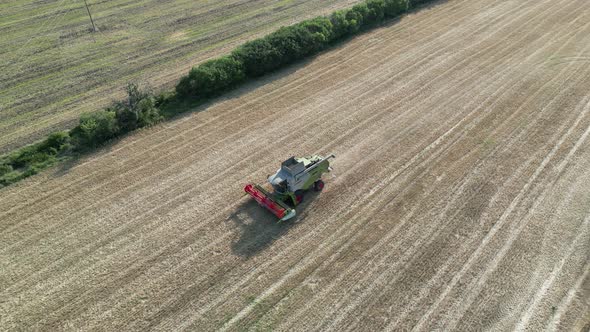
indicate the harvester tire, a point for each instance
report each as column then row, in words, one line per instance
column 318, row 185
column 299, row 196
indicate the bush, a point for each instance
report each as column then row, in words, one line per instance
column 340, row 26
column 415, row 3
column 127, row 118
column 296, row 42
column 183, row 88
column 354, row 20
column 163, row 98
column 10, row 178
column 56, row 142
column 212, row 77
column 376, row 11
column 149, row 114
column 284, row 46
column 139, row 110
column 95, row 129
column 31, row 159
column 393, row 8
column 362, row 13
column 322, row 31
column 290, row 43
column 4, row 169
column 27, row 156
column 258, row 57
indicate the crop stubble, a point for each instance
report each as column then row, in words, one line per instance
column 459, row 197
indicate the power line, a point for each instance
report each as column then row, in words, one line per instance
column 90, row 15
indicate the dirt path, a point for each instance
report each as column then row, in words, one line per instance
column 459, row 197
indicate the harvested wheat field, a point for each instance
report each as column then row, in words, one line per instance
column 459, row 200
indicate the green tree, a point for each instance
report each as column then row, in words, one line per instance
column 95, row 129
column 393, row 8
column 138, row 110
column 215, row 76
column 340, row 26
column 258, row 57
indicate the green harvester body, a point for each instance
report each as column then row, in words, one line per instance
column 295, row 176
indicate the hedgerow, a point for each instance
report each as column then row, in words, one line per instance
column 31, row 159
column 416, row 3
column 285, row 46
column 253, row 59
column 212, row 77
column 94, row 129
column 340, row 25
column 394, row 8
column 137, row 111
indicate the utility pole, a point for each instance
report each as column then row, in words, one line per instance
column 91, row 20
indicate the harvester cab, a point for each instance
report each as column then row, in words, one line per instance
column 288, row 184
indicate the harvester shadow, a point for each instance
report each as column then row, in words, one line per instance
column 257, row 228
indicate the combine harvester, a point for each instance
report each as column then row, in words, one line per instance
column 288, row 184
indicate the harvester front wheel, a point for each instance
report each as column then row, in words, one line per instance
column 318, row 185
